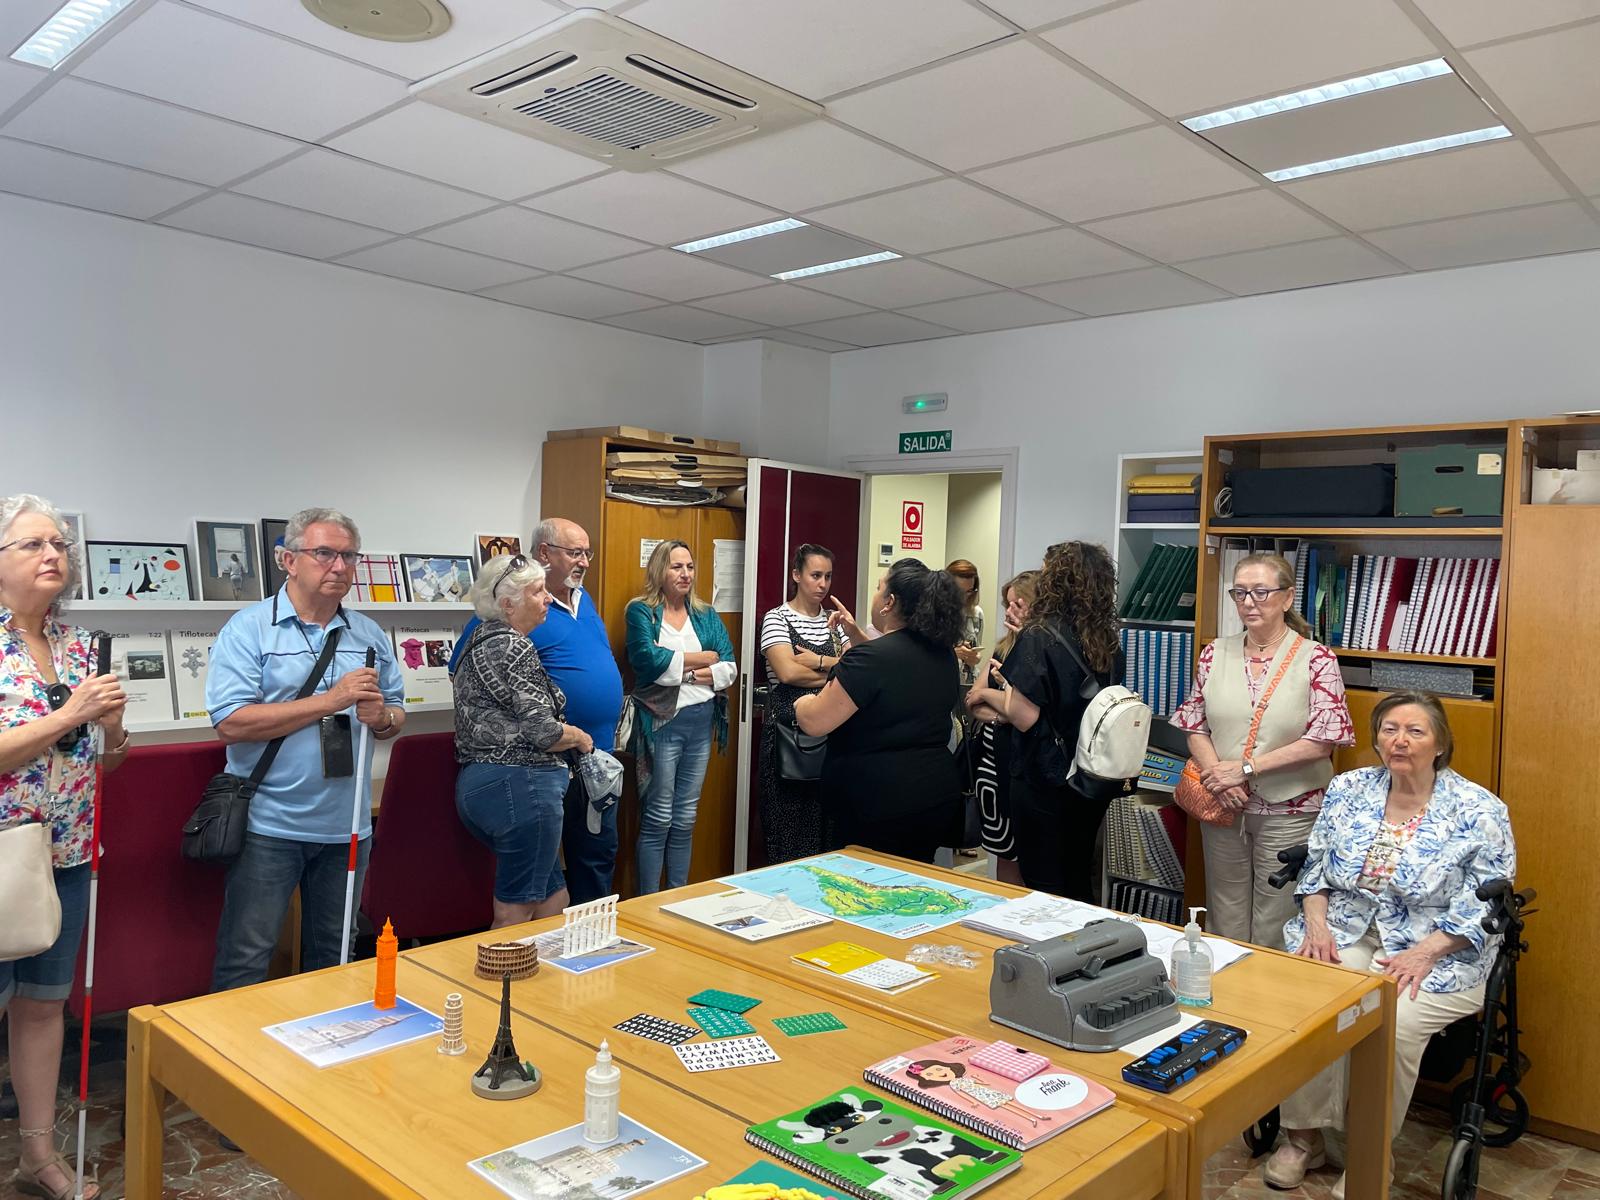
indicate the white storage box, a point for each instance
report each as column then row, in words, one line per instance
column 1555, row 486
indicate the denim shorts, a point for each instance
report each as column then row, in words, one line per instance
column 517, row 812
column 48, row 974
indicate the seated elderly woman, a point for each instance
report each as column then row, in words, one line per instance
column 1390, row 886
column 511, row 739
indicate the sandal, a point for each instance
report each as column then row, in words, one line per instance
column 28, row 1184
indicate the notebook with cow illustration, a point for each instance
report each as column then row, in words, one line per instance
column 875, row 1149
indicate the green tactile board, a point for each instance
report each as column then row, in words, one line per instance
column 818, row 1022
column 728, row 1001
column 720, row 1023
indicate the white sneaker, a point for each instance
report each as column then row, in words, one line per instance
column 1290, row 1161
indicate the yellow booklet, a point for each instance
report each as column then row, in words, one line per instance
column 867, row 967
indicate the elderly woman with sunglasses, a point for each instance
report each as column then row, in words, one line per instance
column 1274, row 677
column 511, row 742
column 49, row 697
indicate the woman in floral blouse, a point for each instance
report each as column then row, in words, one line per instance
column 48, row 699
column 1390, row 886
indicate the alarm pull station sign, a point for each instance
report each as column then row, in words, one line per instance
column 911, row 524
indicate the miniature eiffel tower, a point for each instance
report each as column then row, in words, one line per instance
column 509, row 1077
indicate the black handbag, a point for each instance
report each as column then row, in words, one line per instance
column 800, row 754
column 214, row 832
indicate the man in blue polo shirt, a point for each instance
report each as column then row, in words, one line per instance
column 299, row 830
column 575, row 650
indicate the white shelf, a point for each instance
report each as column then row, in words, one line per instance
column 136, row 727
column 1134, row 526
column 403, row 608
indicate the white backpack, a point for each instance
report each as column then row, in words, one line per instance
column 1112, row 737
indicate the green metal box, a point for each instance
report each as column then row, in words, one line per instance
column 1449, row 481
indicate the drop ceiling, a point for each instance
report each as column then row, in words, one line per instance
column 1024, row 157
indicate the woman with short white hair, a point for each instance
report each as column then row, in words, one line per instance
column 512, row 741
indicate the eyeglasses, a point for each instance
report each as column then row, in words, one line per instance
column 572, row 551
column 1259, row 595
column 36, row 545
column 58, row 694
column 325, row 556
column 517, row 563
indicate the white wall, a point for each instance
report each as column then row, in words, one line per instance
column 1479, row 343
column 770, row 397
column 973, row 534
column 153, row 376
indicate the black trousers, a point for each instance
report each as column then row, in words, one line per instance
column 1055, row 830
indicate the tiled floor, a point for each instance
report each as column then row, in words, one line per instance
column 197, row 1168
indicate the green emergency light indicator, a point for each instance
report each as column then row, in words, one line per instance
column 929, row 402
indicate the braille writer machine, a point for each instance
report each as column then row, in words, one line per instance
column 1094, row 989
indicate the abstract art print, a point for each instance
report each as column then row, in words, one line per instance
column 493, row 545
column 378, row 580
column 272, row 531
column 227, row 560
column 138, row 571
column 437, row 578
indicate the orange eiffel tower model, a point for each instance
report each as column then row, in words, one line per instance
column 388, row 950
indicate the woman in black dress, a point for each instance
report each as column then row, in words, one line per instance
column 992, row 773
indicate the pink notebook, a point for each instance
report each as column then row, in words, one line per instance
column 942, row 1078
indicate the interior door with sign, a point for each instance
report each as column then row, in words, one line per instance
column 786, row 505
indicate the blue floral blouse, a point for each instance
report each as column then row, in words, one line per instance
column 1463, row 841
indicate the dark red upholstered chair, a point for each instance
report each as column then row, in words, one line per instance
column 158, row 912
column 427, row 874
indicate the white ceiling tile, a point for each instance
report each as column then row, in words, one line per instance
column 1577, row 152
column 781, row 304
column 571, row 297
column 1031, row 14
column 1220, row 225
column 1546, row 81
column 807, row 340
column 455, row 149
column 998, row 310
column 670, row 275
column 356, row 190
column 799, row 168
column 16, row 81
column 653, row 207
column 1000, row 103
column 930, row 216
column 439, row 265
column 46, row 174
column 215, row 66
column 1468, row 22
column 1120, row 174
column 520, row 235
column 877, row 329
column 896, row 284
column 1308, row 264
column 822, row 46
column 1131, row 291
column 1188, row 56
column 475, row 26
column 19, row 19
column 1491, row 237
column 1040, row 258
column 274, row 226
column 1446, row 183
column 136, row 132
column 685, row 324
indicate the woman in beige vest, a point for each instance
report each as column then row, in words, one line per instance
column 1276, row 789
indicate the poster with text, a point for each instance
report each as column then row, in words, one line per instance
column 424, row 655
column 144, row 665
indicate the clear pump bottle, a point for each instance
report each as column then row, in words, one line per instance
column 1192, row 964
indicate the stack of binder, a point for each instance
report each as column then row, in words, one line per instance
column 1442, row 606
column 1139, row 844
column 1158, row 664
column 1164, row 500
column 1163, row 590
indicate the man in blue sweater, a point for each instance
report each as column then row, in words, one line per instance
column 574, row 648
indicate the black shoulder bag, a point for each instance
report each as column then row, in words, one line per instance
column 800, row 755
column 214, row 832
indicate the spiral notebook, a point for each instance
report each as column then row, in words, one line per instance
column 944, row 1077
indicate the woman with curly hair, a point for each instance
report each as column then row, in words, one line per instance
column 1075, row 604
column 889, row 777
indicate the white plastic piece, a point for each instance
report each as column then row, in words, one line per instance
column 589, row 927
column 602, row 1088
column 450, row 1039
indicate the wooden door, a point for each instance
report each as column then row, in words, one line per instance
column 719, row 796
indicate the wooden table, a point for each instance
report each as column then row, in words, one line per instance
column 1300, row 1015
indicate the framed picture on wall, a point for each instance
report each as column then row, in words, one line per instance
column 76, row 534
column 138, row 571
column 272, row 530
column 227, row 560
column 437, row 578
column 378, row 580
column 492, row 545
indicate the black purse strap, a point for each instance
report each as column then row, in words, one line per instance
column 264, row 764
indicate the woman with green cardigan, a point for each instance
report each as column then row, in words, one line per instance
column 682, row 663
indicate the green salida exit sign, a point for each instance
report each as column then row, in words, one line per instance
column 927, row 441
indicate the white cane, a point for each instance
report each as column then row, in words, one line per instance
column 102, row 667
column 357, row 801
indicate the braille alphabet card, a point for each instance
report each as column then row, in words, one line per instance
column 730, row 1052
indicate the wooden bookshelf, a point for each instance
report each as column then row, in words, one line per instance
column 1400, row 656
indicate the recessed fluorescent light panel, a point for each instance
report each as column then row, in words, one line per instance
column 1493, row 133
column 74, row 23
column 1321, row 95
column 741, row 235
column 841, row 265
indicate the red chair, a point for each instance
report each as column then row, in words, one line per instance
column 427, row 874
column 158, row 912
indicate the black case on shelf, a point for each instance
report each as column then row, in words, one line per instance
column 1359, row 491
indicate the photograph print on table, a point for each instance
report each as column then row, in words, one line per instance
column 272, row 531
column 492, row 545
column 564, row 1166
column 437, row 578
column 378, row 580
column 226, row 560
column 138, row 571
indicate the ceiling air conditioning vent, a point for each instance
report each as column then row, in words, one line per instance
column 609, row 89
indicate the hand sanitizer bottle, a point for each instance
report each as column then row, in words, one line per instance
column 1191, row 965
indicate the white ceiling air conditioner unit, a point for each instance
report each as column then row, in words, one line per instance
column 615, row 92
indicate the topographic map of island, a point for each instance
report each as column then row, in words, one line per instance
column 884, row 899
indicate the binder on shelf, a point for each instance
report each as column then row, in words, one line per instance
column 1463, row 614
column 1398, row 592
column 1486, row 640
column 1140, row 580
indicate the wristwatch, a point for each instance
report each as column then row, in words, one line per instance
column 1249, row 769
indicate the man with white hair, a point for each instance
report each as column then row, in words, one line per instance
column 299, row 828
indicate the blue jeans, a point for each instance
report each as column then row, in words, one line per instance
column 591, row 858
column 256, row 897
column 48, row 974
column 516, row 812
column 681, row 750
